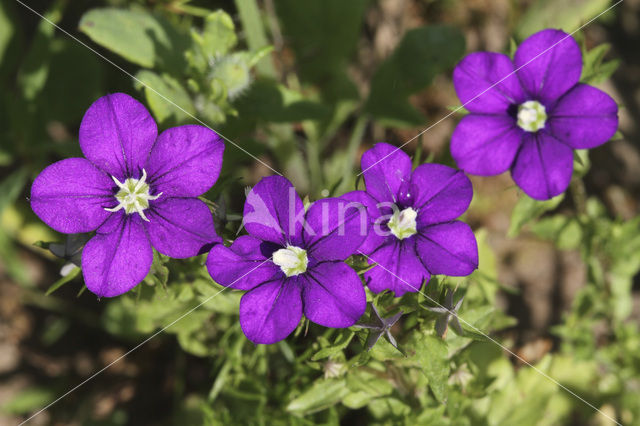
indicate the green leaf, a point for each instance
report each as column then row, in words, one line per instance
column 35, row 67
column 594, row 69
column 11, row 187
column 192, row 336
column 62, row 281
column 341, row 342
column 322, row 394
column 233, row 71
column 364, row 386
column 6, row 28
column 432, row 355
column 255, row 34
column 324, row 36
column 158, row 273
column 422, row 54
column 87, row 81
column 219, row 34
column 566, row 15
column 137, row 36
column 268, row 101
column 528, row 209
column 323, row 33
column 163, row 93
column 29, row 400
column 565, row 231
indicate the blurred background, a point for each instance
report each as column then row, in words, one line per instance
column 306, row 87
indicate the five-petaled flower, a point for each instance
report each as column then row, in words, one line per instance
column 136, row 189
column 292, row 262
column 414, row 232
column 529, row 121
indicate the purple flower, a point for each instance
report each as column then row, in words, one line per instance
column 414, row 234
column 292, row 262
column 531, row 121
column 135, row 189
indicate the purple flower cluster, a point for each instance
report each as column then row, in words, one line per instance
column 529, row 114
column 138, row 191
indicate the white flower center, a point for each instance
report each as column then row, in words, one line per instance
column 133, row 196
column 292, row 260
column 532, row 116
column 403, row 223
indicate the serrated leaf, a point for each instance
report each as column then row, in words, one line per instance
column 431, row 353
column 219, row 34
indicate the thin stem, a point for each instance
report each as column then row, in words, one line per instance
column 352, row 149
column 313, row 160
column 255, row 32
column 579, row 195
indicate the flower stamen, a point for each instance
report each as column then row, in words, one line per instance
column 133, row 196
column 292, row 260
column 532, row 116
column 403, row 223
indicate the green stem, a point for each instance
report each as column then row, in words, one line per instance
column 579, row 195
column 313, row 161
column 417, row 157
column 352, row 149
column 255, row 33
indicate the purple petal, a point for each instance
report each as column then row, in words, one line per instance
column 180, row 227
column 584, row 117
column 270, row 312
column 185, row 161
column 242, row 266
column 116, row 134
column 115, row 262
column 373, row 240
column 549, row 63
column 485, row 145
column 71, row 195
column 333, row 295
column 398, row 268
column 441, row 193
column 385, row 168
column 543, row 166
column 274, row 212
column 485, row 82
column 448, row 249
column 335, row 228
